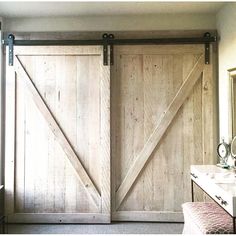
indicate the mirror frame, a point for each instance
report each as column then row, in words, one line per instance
column 233, row 143
column 232, row 93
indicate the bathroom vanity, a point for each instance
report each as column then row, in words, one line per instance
column 219, row 184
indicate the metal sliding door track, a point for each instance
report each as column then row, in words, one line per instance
column 108, row 41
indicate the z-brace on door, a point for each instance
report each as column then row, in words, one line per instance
column 162, row 122
column 58, row 135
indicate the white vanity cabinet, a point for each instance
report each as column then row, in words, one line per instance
column 218, row 183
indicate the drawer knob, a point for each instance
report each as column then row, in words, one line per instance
column 194, row 176
column 222, row 201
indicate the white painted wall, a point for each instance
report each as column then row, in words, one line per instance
column 226, row 25
column 113, row 23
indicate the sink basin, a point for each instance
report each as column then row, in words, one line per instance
column 223, row 177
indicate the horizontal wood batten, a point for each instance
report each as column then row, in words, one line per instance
column 161, row 49
column 152, row 216
column 58, row 218
column 57, row 50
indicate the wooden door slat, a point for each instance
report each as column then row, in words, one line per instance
column 59, row 134
column 105, row 141
column 10, row 117
column 165, row 120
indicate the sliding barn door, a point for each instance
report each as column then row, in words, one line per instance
column 162, row 122
column 58, row 135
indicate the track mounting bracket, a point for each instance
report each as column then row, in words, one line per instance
column 11, row 39
column 207, row 49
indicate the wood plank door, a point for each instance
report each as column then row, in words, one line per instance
column 162, row 122
column 58, row 135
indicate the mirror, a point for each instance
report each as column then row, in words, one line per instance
column 232, row 128
column 223, row 153
column 233, row 147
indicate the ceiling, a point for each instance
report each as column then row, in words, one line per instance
column 66, row 8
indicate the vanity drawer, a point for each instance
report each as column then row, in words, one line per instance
column 223, row 199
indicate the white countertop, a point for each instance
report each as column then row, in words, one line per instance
column 224, row 178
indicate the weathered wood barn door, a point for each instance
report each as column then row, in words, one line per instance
column 162, row 122
column 58, row 135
